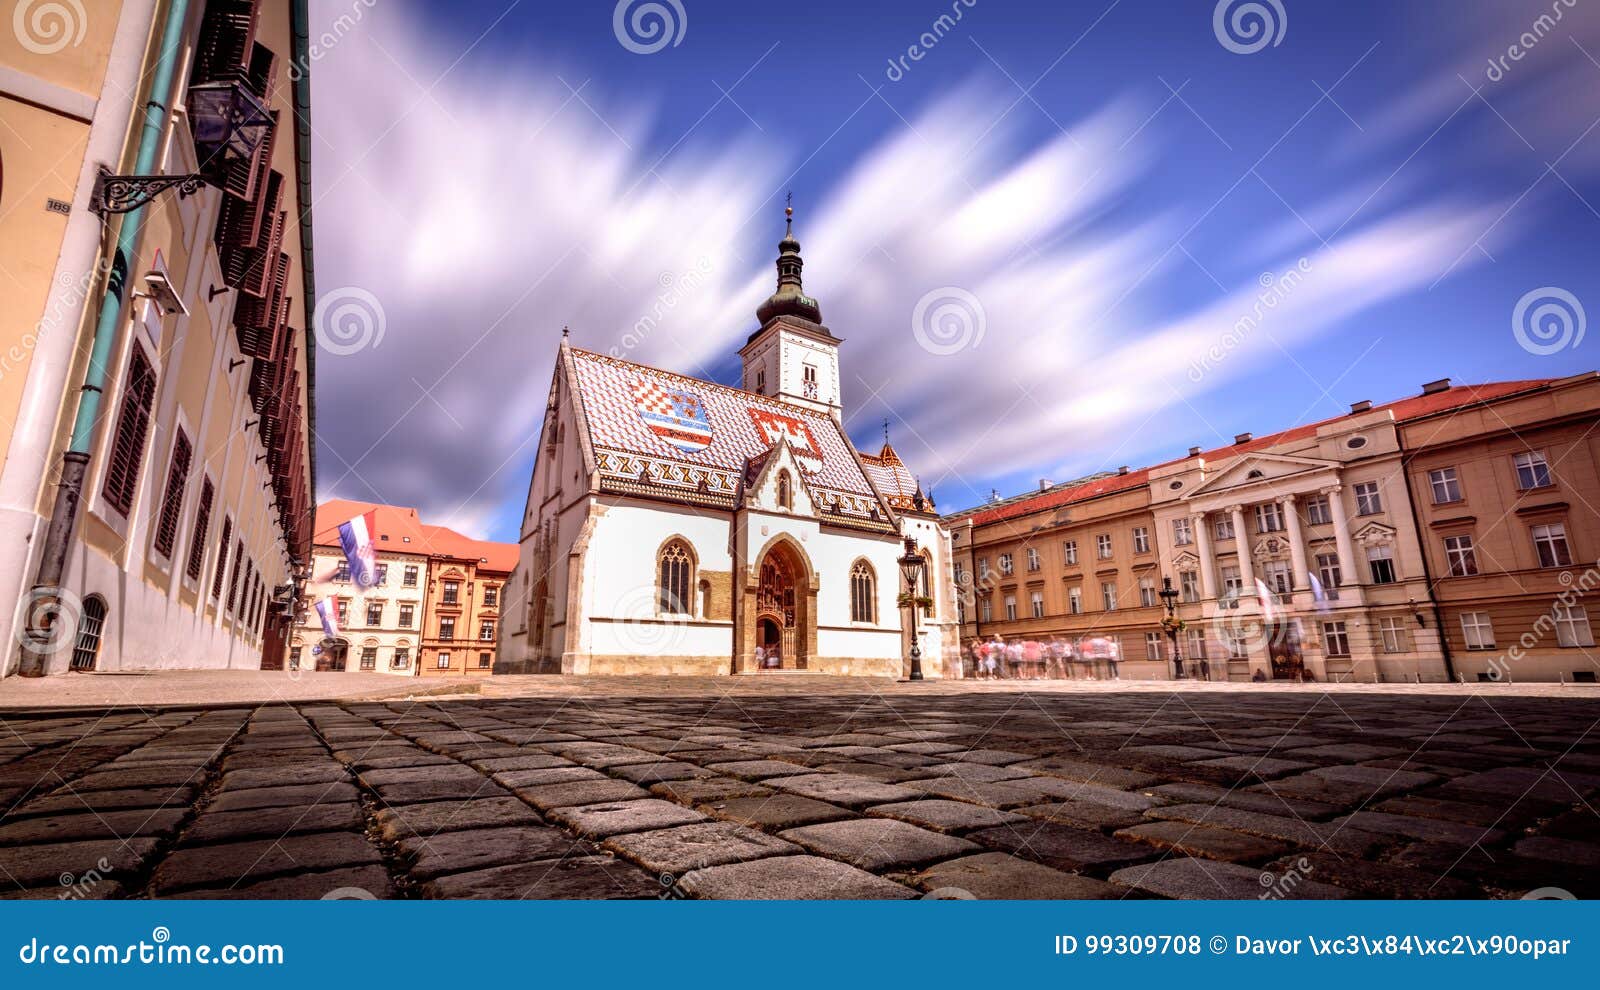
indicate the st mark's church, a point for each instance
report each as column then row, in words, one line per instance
column 680, row 526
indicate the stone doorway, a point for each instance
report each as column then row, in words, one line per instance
column 1283, row 648
column 780, row 609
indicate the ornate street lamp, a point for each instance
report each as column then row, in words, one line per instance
column 911, row 566
column 228, row 121
column 1172, row 625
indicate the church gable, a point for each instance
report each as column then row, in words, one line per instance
column 776, row 483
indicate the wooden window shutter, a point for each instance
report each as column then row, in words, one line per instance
column 126, row 452
column 222, row 558
column 233, row 581
column 172, row 501
column 202, row 522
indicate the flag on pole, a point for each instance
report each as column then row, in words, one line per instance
column 1265, row 594
column 1319, row 594
column 328, row 612
column 356, row 539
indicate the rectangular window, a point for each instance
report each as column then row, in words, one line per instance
column 1152, row 646
column 369, row 658
column 1329, row 574
column 1147, row 591
column 1392, row 630
column 221, row 572
column 342, row 612
column 1335, row 641
column 1380, row 561
column 1011, row 608
column 1550, row 543
column 1069, row 552
column 1572, row 625
column 447, row 628
column 1232, row 583
column 126, row 451
column 374, row 613
column 406, row 612
column 1269, row 518
column 294, row 658
column 1445, row 485
column 1075, row 601
column 986, row 609
column 1532, row 470
column 410, row 579
column 485, row 661
column 1141, row 538
column 1103, row 546
column 1238, row 648
column 983, row 568
column 959, row 569
column 233, row 579
column 1478, row 630
column 1368, row 501
column 172, row 500
column 1033, row 559
column 1224, row 528
column 1036, row 601
column 401, row 659
column 1197, row 644
column 444, row 661
column 202, row 523
column 486, row 630
column 1006, row 564
column 1278, row 578
column 381, row 573
column 1108, row 596
column 1318, row 512
column 491, row 596
column 1182, row 533
column 452, row 592
column 1459, row 556
column 341, row 571
column 1189, row 584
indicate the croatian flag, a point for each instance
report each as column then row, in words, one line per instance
column 1319, row 594
column 355, row 538
column 1265, row 594
column 328, row 612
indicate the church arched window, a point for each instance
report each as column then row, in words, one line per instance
column 785, row 491
column 674, row 578
column 863, row 592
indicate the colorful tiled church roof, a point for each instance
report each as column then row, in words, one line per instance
column 894, row 480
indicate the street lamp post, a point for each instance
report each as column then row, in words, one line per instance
column 1169, row 596
column 911, row 565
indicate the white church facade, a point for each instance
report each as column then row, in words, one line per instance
column 680, row 526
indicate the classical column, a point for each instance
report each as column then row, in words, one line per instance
column 1202, row 543
column 1341, row 536
column 1300, row 576
column 1247, row 567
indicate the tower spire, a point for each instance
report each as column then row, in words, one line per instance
column 790, row 299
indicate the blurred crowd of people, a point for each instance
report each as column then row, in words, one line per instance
column 1088, row 658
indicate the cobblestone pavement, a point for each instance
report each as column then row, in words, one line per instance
column 986, row 794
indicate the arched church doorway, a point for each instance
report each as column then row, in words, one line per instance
column 783, row 608
column 769, row 638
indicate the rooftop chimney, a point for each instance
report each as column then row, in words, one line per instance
column 1242, row 438
column 1361, row 407
column 1438, row 386
column 1044, row 484
column 1194, row 451
column 1123, row 469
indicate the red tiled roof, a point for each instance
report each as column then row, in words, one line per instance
column 407, row 533
column 1404, row 410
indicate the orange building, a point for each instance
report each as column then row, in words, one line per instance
column 466, row 585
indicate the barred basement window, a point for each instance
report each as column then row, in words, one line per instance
column 222, row 558
column 172, row 502
column 133, row 425
column 674, row 571
column 862, row 592
column 202, row 522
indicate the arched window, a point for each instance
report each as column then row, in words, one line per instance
column 705, row 599
column 863, row 592
column 785, row 492
column 674, row 571
column 86, row 650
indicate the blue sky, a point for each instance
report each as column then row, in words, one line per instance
column 1068, row 236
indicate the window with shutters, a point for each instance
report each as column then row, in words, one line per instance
column 133, row 426
column 202, row 522
column 221, row 573
column 233, row 581
column 172, row 501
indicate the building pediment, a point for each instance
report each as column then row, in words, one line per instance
column 1186, row 560
column 1260, row 469
column 776, row 482
column 1273, row 546
column 1374, row 534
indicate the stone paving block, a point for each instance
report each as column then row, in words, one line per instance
column 774, row 812
column 319, row 772
column 222, row 864
column 1256, row 767
column 1343, row 752
column 1264, row 801
column 409, row 775
column 676, row 851
column 1375, row 880
column 90, row 825
column 572, row 878
column 1344, row 839
column 1002, row 794
column 1063, row 846
column 843, row 789
column 1090, row 773
column 976, row 772
column 756, row 769
column 698, row 791
column 878, row 844
column 944, row 816
column 456, row 789
column 807, row 878
column 599, row 821
column 47, row 865
column 361, row 883
column 550, row 775
column 284, row 797
column 393, row 758
column 1083, row 814
column 1519, row 815
column 150, row 777
column 1205, row 841
column 525, row 761
column 601, row 755
column 1556, row 850
column 875, row 771
column 459, row 852
column 1201, row 879
column 1431, row 829
column 1000, row 876
column 548, row 796
column 992, row 757
column 650, row 774
column 1506, row 783
column 271, row 823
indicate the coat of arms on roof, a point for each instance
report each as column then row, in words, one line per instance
column 676, row 416
column 773, row 425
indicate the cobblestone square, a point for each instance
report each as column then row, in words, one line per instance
column 836, row 791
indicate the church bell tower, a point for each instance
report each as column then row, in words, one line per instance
column 793, row 356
